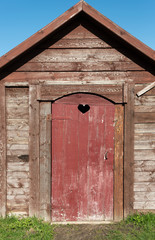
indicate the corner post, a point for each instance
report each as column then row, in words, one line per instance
column 3, row 164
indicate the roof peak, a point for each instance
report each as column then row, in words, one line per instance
column 65, row 17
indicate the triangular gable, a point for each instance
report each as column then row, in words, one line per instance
column 64, row 18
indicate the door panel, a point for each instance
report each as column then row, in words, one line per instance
column 82, row 179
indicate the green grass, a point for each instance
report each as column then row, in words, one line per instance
column 138, row 226
column 14, row 228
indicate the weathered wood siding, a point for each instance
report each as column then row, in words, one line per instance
column 17, row 119
column 80, row 51
column 144, row 144
column 80, row 57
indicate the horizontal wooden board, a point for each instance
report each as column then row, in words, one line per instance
column 17, row 84
column 18, row 158
column 17, row 183
column 144, row 187
column 24, row 212
column 17, row 105
column 17, row 149
column 17, row 113
column 144, row 154
column 17, row 152
column 144, row 141
column 144, row 166
column 19, row 174
column 79, row 55
column 18, row 166
column 144, row 109
column 147, row 137
column 17, row 100
column 18, row 207
column 17, row 213
column 144, row 205
column 84, row 66
column 147, row 117
column 145, row 128
column 144, row 177
column 17, row 191
column 79, row 32
column 14, row 93
column 78, row 43
column 12, row 147
column 145, row 100
column 21, row 124
column 144, row 211
column 87, row 77
column 12, row 200
column 17, row 125
column 144, row 196
column 144, row 144
column 18, row 140
column 53, row 92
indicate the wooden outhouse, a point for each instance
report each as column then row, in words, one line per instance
column 77, row 122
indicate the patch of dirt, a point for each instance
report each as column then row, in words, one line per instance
column 82, row 232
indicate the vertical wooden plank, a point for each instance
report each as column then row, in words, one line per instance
column 108, row 160
column 71, row 163
column 125, row 93
column 129, row 152
column 118, row 163
column 83, row 168
column 2, row 152
column 34, row 151
column 45, row 161
column 58, row 200
column 96, row 158
column 101, row 133
column 64, row 162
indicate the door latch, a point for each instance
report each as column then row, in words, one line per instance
column 106, row 156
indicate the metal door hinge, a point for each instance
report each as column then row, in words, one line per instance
column 49, row 117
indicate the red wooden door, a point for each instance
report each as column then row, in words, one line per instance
column 82, row 158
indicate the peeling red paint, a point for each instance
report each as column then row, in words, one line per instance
column 82, row 178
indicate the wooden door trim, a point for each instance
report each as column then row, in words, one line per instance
column 123, row 185
column 115, row 93
column 118, row 162
column 45, row 161
column 34, row 158
column 129, row 151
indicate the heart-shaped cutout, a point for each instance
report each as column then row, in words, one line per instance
column 83, row 108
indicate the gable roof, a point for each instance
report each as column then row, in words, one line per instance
column 64, row 18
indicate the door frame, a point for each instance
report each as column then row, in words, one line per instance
column 41, row 97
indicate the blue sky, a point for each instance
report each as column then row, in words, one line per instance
column 20, row 19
